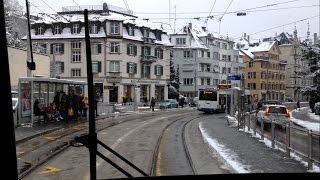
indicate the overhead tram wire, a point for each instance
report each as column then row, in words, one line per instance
column 55, row 11
column 224, row 14
column 43, row 11
column 77, row 4
column 210, row 13
column 280, row 26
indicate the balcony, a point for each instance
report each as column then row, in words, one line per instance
column 148, row 58
column 261, row 58
column 283, row 62
column 148, row 40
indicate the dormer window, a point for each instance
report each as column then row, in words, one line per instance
column 57, row 29
column 115, row 28
column 94, row 29
column 40, row 30
column 76, row 29
column 146, row 33
column 131, row 31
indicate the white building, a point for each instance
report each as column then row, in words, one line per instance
column 125, row 51
column 205, row 60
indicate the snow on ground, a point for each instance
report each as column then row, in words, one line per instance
column 308, row 125
column 313, row 116
column 228, row 155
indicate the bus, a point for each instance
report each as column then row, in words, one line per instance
column 209, row 101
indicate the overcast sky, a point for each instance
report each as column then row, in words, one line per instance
column 186, row 10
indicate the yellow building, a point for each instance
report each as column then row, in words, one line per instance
column 265, row 72
column 18, row 65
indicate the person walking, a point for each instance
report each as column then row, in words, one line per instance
column 85, row 107
column 96, row 100
column 298, row 104
column 152, row 103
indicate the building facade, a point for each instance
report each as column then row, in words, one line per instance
column 130, row 57
column 265, row 71
column 204, row 59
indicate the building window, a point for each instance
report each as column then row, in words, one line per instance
column 131, row 31
column 115, row 47
column 96, row 48
column 76, row 51
column 202, row 53
column 131, row 68
column 76, row 56
column 114, row 66
column 146, row 32
column 40, row 30
column 59, row 67
column 180, row 41
column 251, row 64
column 202, row 81
column 224, row 46
column 187, row 54
column 229, row 58
column 94, row 29
column 218, row 44
column 236, row 58
column 57, row 29
column 57, row 48
column 229, row 70
column 188, row 81
column 96, row 66
column 145, row 71
column 158, row 53
column 224, row 70
column 158, row 70
column 208, row 81
column 115, row 28
column 208, row 54
column 215, row 55
column 76, row 28
column 75, row 72
column 224, row 57
column 131, row 50
column 145, row 51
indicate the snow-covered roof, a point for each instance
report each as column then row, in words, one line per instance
column 263, row 46
column 248, row 53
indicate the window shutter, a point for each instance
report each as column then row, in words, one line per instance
column 62, row 48
column 62, row 67
column 51, row 48
column 135, row 68
column 155, row 69
column 142, row 51
column 128, row 49
column 135, row 50
column 99, row 66
column 161, row 54
column 99, row 48
column 128, row 67
column 148, row 71
column 161, row 70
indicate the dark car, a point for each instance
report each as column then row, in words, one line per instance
column 169, row 103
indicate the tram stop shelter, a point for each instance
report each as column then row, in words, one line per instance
column 42, row 89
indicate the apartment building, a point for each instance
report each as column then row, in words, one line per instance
column 265, row 71
column 130, row 57
column 204, row 59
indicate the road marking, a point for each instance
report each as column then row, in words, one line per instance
column 20, row 152
column 49, row 169
column 52, row 138
column 78, row 129
column 118, row 141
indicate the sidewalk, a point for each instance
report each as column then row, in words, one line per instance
column 305, row 118
column 243, row 152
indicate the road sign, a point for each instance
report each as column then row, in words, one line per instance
column 234, row 77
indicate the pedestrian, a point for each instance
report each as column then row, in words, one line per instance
column 298, row 104
column 96, row 100
column 85, row 107
column 152, row 103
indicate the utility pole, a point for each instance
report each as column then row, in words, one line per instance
column 267, row 97
column 53, row 61
column 195, row 73
column 30, row 64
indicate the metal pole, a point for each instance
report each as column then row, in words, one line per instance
column 30, row 65
column 310, row 150
column 195, row 73
column 272, row 133
column 92, row 128
column 262, row 130
column 7, row 126
column 288, row 139
column 53, row 61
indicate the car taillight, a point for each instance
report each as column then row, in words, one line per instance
column 266, row 113
column 288, row 114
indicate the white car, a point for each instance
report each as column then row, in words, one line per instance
column 278, row 113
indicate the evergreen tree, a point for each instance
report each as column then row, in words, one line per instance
column 311, row 54
column 172, row 91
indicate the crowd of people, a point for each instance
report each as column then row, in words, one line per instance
column 65, row 107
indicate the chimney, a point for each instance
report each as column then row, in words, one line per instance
column 248, row 39
column 315, row 38
column 190, row 26
column 204, row 28
column 245, row 35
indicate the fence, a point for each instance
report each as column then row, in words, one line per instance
column 288, row 137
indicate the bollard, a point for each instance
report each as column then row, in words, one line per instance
column 249, row 120
column 310, row 149
column 272, row 133
column 255, row 126
column 262, row 130
column 288, row 139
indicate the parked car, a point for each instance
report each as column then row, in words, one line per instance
column 317, row 108
column 278, row 113
column 169, row 103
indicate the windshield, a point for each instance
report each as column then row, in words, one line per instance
column 116, row 89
